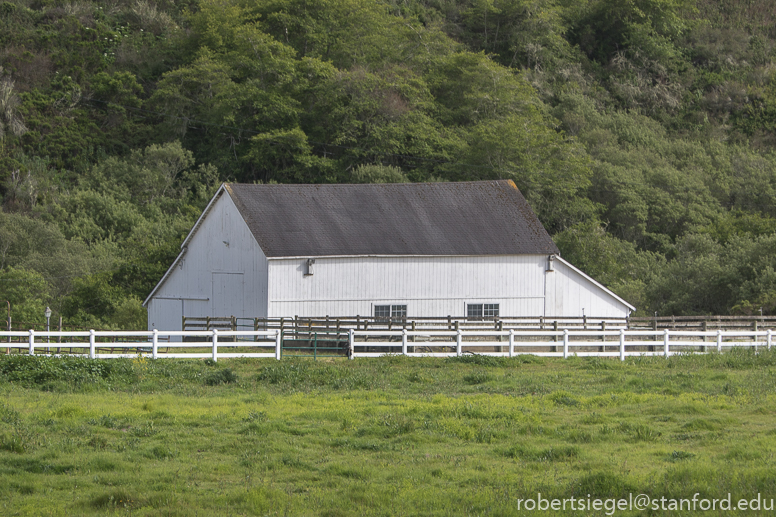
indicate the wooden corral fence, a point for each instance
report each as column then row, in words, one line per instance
column 450, row 323
column 215, row 344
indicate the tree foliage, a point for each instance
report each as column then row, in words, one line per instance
column 640, row 131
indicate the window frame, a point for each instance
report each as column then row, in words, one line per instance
column 395, row 312
column 482, row 311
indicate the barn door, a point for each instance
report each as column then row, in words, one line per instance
column 228, row 295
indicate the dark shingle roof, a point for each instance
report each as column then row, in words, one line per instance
column 472, row 218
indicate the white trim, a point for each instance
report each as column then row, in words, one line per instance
column 404, row 300
column 184, row 244
column 301, row 257
column 182, row 297
column 194, row 228
column 607, row 291
column 166, row 275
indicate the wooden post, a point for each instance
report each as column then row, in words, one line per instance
column 59, row 338
column 654, row 327
column 207, row 323
column 705, row 329
column 449, row 323
column 183, row 322
column 622, row 345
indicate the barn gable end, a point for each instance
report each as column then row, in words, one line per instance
column 221, row 271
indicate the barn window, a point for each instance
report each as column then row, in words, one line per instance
column 384, row 312
column 482, row 310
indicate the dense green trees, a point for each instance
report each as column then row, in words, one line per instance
column 641, row 131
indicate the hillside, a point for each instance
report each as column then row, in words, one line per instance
column 641, row 132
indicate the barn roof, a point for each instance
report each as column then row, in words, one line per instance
column 465, row 218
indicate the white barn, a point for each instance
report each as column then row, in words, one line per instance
column 415, row 249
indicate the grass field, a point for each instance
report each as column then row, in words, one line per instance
column 388, row 436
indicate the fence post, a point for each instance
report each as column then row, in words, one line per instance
column 511, row 342
column 32, row 342
column 665, row 342
column 622, row 344
column 278, row 343
column 719, row 341
column 458, row 342
column 91, row 344
column 565, row 343
column 154, row 343
column 215, row 345
column 404, row 341
column 351, row 343
column 769, row 338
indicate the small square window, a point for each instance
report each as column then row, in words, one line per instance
column 490, row 310
column 385, row 312
column 382, row 312
column 482, row 310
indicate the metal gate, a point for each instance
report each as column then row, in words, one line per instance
column 315, row 344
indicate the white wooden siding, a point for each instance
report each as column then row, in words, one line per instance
column 223, row 273
column 435, row 286
column 571, row 293
column 429, row 286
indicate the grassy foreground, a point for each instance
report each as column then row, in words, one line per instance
column 389, row 436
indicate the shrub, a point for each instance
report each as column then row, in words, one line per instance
column 225, row 376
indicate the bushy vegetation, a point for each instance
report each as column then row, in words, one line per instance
column 380, row 436
column 641, row 132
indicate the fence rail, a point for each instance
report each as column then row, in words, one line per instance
column 501, row 323
column 215, row 344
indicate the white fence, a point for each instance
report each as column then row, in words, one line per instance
column 105, row 344
column 215, row 344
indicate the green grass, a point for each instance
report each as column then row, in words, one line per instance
column 388, row 436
